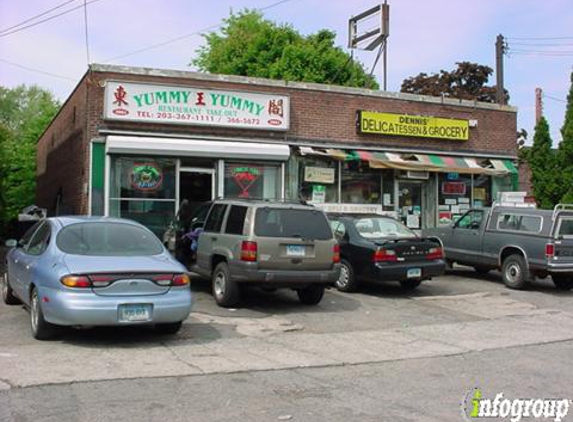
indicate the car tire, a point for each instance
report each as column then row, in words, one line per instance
column 168, row 328
column 8, row 293
column 346, row 281
column 409, row 285
column 514, row 271
column 562, row 282
column 311, row 295
column 225, row 291
column 41, row 329
column 481, row 270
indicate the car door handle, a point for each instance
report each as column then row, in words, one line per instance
column 27, row 267
column 214, row 239
column 15, row 261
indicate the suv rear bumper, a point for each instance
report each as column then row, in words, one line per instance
column 249, row 273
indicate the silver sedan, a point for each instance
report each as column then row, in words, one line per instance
column 90, row 271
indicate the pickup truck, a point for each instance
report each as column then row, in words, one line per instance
column 523, row 243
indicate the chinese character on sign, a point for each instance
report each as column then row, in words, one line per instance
column 120, row 95
column 276, row 107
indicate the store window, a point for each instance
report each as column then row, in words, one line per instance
column 250, row 180
column 360, row 184
column 454, row 196
column 318, row 180
column 143, row 189
column 482, row 191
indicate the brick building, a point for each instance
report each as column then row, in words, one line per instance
column 135, row 142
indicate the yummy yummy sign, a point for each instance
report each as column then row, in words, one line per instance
column 195, row 106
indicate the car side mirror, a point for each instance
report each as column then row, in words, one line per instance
column 11, row 243
column 197, row 223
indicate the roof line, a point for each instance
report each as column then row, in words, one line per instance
column 107, row 68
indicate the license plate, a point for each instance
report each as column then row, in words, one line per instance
column 414, row 272
column 134, row 313
column 295, row 250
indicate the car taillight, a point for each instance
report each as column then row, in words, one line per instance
column 248, row 251
column 384, row 255
column 101, row 280
column 336, row 254
column 549, row 250
column 180, row 280
column 435, row 253
column 163, row 279
column 76, row 281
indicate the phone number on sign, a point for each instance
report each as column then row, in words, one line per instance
column 204, row 118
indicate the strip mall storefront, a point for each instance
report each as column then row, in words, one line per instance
column 136, row 143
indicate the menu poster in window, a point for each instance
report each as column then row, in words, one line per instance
column 445, row 217
column 480, row 194
column 319, row 194
column 387, row 199
column 245, row 177
column 413, row 221
column 463, row 200
column 319, row 175
column 454, row 188
column 146, row 177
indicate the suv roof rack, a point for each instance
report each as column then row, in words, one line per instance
column 280, row 200
column 561, row 207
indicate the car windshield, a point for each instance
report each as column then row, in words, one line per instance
column 379, row 227
column 108, row 239
column 285, row 222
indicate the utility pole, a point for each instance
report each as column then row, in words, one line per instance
column 538, row 104
column 499, row 51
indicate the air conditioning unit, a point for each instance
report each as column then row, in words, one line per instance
column 416, row 174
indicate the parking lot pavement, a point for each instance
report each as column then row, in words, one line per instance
column 456, row 314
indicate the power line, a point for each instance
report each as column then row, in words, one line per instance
column 526, row 50
column 541, row 44
column 47, row 19
column 540, row 38
column 553, row 98
column 37, row 16
column 38, row 71
column 182, row 37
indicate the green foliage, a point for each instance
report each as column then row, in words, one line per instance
column 467, row 82
column 565, row 155
column 250, row 45
column 25, row 112
column 542, row 161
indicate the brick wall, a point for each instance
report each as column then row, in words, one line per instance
column 317, row 116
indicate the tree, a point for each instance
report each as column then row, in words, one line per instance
column 542, row 162
column 467, row 82
column 565, row 154
column 250, row 45
column 25, row 112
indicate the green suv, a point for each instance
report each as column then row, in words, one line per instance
column 268, row 244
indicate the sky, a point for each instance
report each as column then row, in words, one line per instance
column 425, row 36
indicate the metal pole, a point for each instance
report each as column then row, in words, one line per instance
column 500, row 94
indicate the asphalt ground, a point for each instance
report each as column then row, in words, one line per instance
column 379, row 354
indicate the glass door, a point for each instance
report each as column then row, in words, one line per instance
column 410, row 203
column 196, row 186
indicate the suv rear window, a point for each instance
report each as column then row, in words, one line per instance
column 285, row 222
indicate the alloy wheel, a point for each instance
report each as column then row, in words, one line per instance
column 344, row 277
column 34, row 312
column 513, row 273
column 220, row 284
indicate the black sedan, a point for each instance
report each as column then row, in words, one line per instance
column 377, row 248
